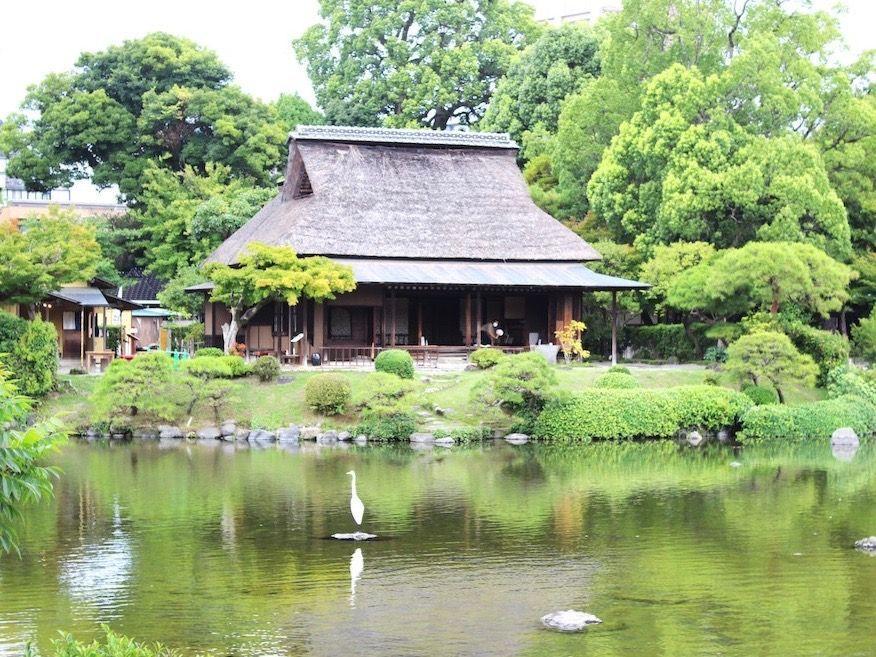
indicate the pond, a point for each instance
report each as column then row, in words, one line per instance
column 220, row 550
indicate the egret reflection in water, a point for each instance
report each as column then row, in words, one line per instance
column 357, row 565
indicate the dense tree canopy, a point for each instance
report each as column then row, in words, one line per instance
column 530, row 96
column 684, row 168
column 44, row 254
column 156, row 99
column 411, row 63
column 770, row 356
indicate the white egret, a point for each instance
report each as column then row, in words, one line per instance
column 357, row 508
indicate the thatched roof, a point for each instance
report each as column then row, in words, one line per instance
column 371, row 192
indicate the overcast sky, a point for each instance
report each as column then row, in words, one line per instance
column 253, row 38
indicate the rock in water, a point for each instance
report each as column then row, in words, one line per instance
column 845, row 436
column 867, row 544
column 569, row 620
column 355, row 536
column 517, row 438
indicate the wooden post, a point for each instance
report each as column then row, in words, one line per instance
column 82, row 338
column 373, row 331
column 392, row 303
column 468, row 319
column 614, row 327
column 419, row 322
column 478, row 321
column 305, row 341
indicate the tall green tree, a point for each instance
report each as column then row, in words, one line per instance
column 44, row 254
column 156, row 99
column 685, row 168
column 272, row 273
column 529, row 98
column 292, row 110
column 414, row 63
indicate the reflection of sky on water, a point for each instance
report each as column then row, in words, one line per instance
column 98, row 573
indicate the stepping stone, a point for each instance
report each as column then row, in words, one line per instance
column 355, row 536
column 569, row 620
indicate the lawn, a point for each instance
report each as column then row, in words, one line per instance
column 443, row 399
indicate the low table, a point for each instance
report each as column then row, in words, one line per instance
column 93, row 358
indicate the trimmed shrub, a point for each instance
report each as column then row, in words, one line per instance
column 394, row 424
column 216, row 367
column 715, row 355
column 848, row 380
column 619, row 368
column 266, row 368
column 135, row 388
column 711, row 379
column 486, row 357
column 328, row 394
column 616, row 380
column 29, row 351
column 828, row 350
column 812, row 421
column 381, row 389
column 395, row 361
column 707, row 407
column 209, row 351
column 607, row 414
column 760, row 395
column 115, row 645
column 519, row 385
column 617, row 414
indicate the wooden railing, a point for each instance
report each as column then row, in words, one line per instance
column 347, row 355
column 424, row 356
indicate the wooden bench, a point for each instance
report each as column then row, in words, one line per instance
column 93, row 358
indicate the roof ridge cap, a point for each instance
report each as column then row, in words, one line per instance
column 403, row 136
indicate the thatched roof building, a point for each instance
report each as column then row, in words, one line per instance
column 439, row 223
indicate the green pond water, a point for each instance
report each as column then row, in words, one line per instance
column 222, row 550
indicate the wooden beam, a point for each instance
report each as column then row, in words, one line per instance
column 614, row 327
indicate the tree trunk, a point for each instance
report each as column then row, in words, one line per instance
column 781, row 396
column 230, row 330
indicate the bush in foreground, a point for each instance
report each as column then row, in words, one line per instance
column 812, row 421
column 113, row 645
column 519, row 385
column 216, row 367
column 395, row 361
column 211, row 352
column 266, row 368
column 486, row 357
column 387, row 424
column 616, row 380
column 760, row 395
column 328, row 394
column 605, row 414
column 134, row 388
column 29, row 350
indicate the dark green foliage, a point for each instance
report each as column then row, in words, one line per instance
column 266, row 368
column 22, row 450
column 395, row 361
column 715, row 355
column 328, row 394
column 114, row 645
column 661, row 342
column 760, row 395
column 600, row 414
column 828, row 350
column 387, row 424
column 216, row 367
column 848, row 380
column 113, row 337
column 812, row 421
column 134, row 388
column 486, row 357
column 209, row 351
column 864, row 336
column 616, row 380
column 29, row 350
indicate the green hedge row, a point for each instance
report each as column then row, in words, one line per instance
column 828, row 350
column 29, row 352
column 605, row 414
column 812, row 421
column 664, row 341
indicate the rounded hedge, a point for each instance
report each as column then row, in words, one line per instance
column 486, row 357
column 216, row 367
column 387, row 425
column 209, row 351
column 604, row 414
column 812, row 421
column 328, row 394
column 29, row 351
column 395, row 361
column 266, row 368
column 761, row 395
column 616, row 380
column 618, row 368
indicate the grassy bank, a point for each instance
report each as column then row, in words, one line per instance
column 444, row 399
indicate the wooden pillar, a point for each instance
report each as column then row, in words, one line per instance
column 392, row 303
column 468, row 319
column 614, row 327
column 478, row 320
column 82, row 338
column 419, row 322
column 305, row 341
column 318, row 326
column 383, row 314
